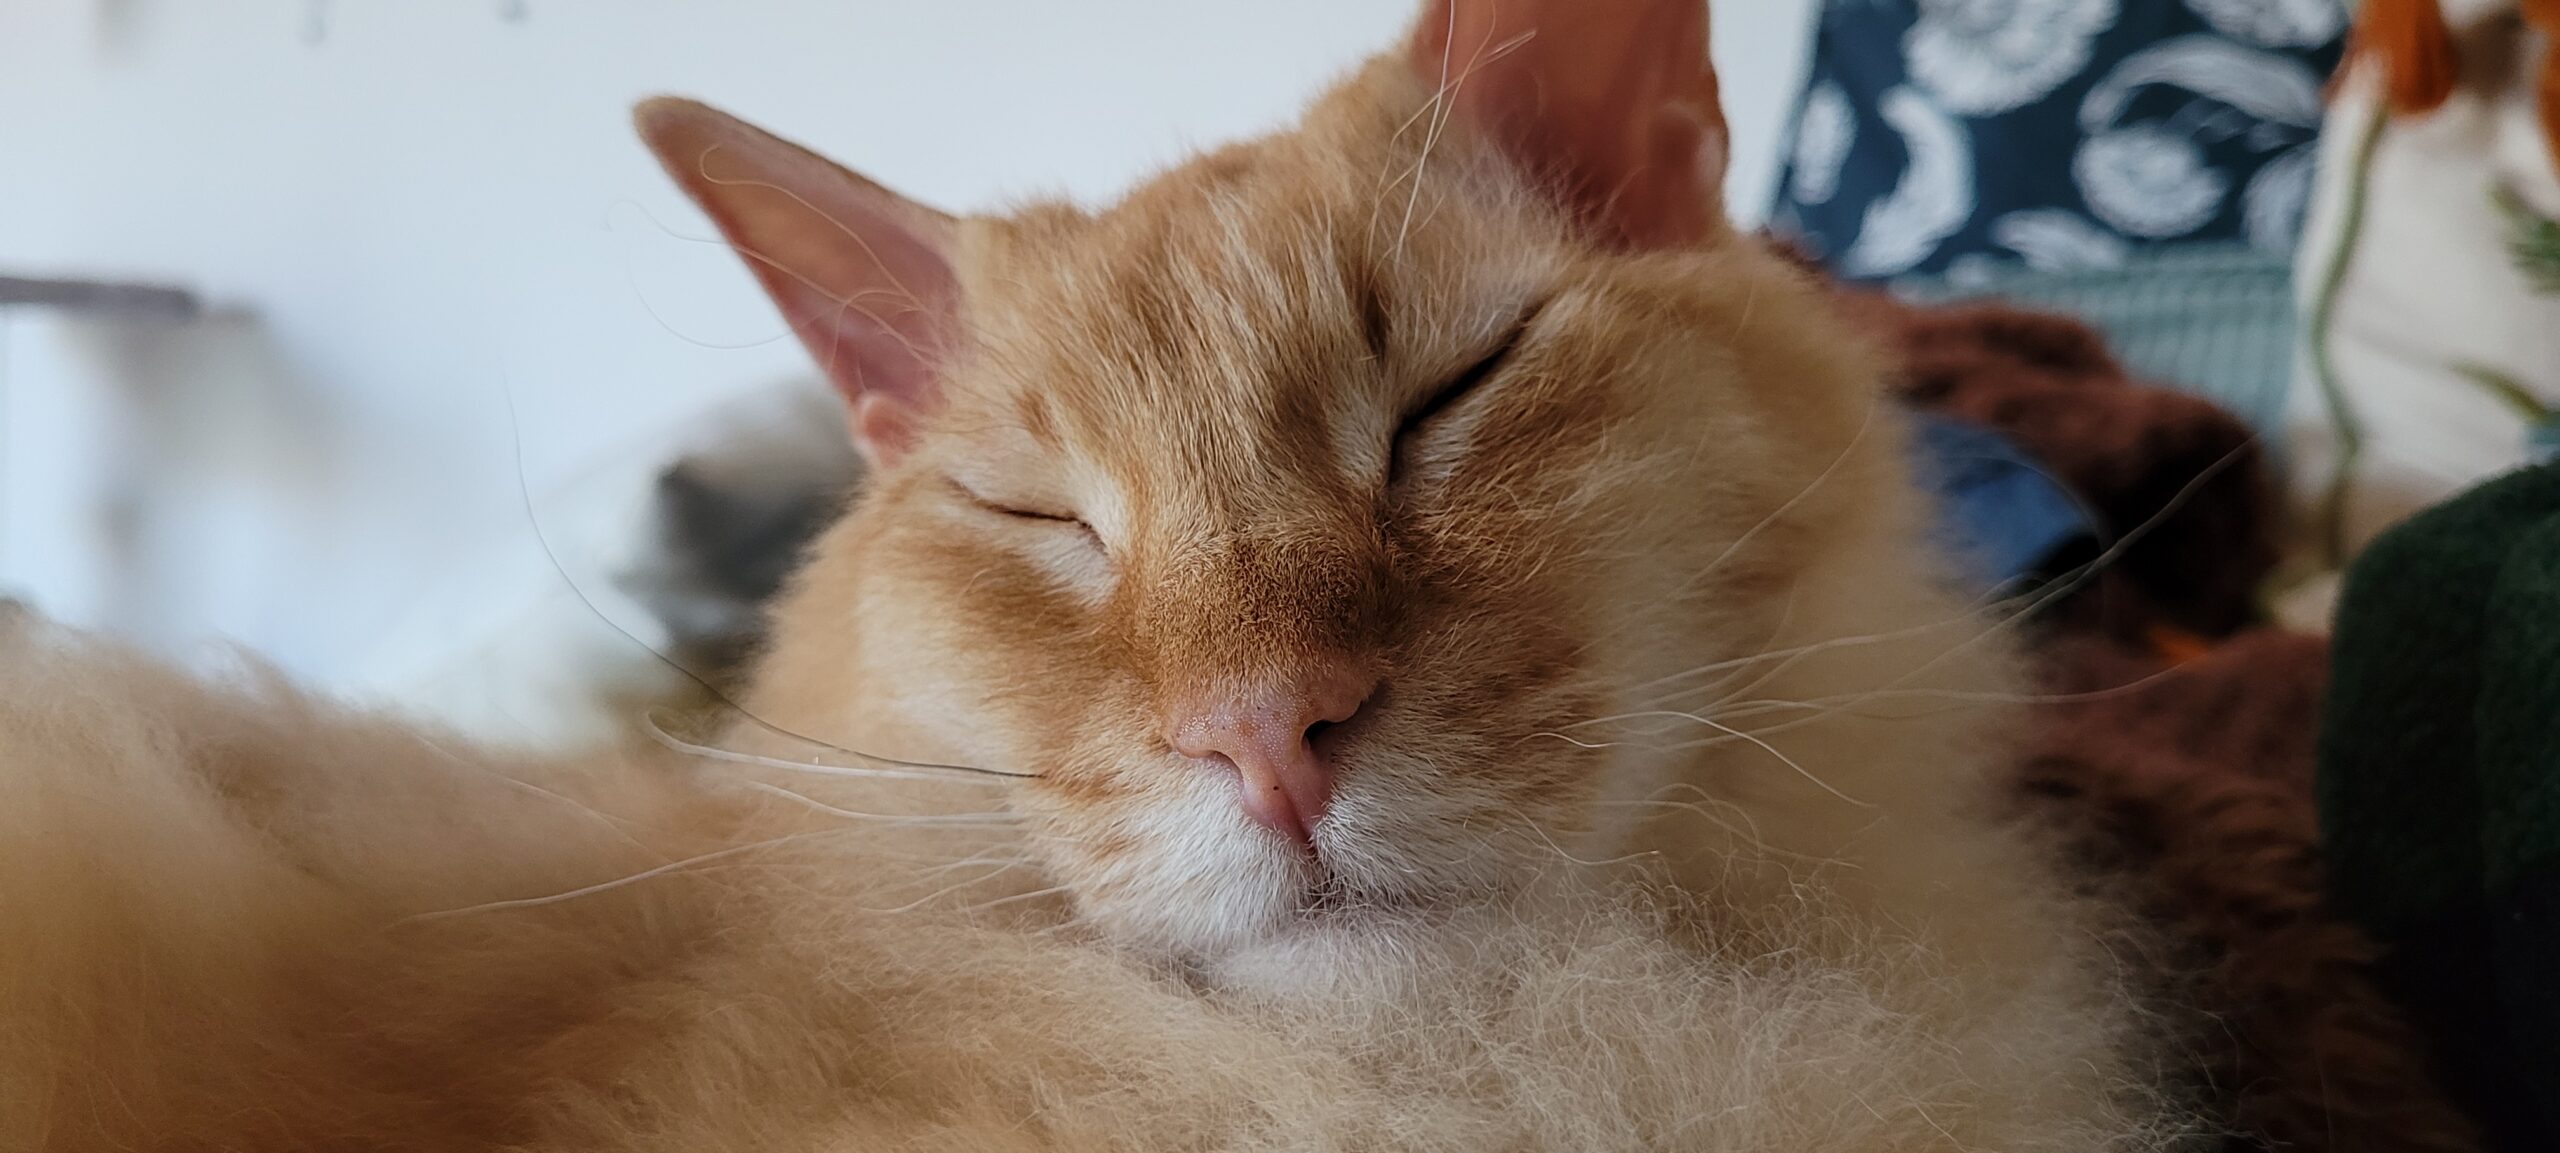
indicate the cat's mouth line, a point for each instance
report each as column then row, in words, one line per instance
column 1330, row 891
column 1329, row 899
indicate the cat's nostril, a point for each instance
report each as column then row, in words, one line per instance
column 1316, row 744
column 1329, row 731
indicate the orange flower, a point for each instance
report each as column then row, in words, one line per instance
column 2409, row 42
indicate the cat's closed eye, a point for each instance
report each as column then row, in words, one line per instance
column 1413, row 432
column 1027, row 512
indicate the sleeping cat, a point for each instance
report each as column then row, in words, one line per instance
column 1402, row 634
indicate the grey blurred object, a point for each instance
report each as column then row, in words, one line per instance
column 137, row 421
column 141, row 301
column 727, row 524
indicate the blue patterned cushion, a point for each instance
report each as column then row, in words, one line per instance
column 1955, row 136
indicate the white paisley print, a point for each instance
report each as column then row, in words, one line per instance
column 1824, row 133
column 2273, row 88
column 2058, row 240
column 2148, row 181
column 1934, row 198
column 2275, row 23
column 2152, row 179
column 2279, row 197
column 1985, row 56
column 1962, row 138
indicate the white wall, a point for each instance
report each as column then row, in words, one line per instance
column 420, row 209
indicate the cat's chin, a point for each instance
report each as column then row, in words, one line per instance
column 1215, row 896
column 1201, row 882
column 1329, row 926
column 1358, row 947
column 1281, row 904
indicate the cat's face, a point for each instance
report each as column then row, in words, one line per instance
column 1291, row 517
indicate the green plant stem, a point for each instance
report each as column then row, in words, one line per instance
column 2324, row 317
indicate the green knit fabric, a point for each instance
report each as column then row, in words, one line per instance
column 2519, row 715
column 2440, row 786
column 2400, row 798
column 2519, row 723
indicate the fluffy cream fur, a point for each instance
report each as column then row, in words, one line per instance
column 1671, row 829
column 227, row 930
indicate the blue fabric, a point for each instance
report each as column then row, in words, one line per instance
column 2216, row 320
column 1935, row 135
column 2001, row 515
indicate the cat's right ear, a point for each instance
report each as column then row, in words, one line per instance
column 1611, row 104
column 862, row 274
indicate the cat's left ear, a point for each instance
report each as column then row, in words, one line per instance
column 1611, row 102
column 862, row 274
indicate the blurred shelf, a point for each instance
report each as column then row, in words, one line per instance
column 146, row 301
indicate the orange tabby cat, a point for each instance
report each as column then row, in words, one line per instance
column 1405, row 633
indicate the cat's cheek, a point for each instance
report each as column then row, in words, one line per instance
column 1073, row 562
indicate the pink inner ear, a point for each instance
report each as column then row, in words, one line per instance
column 860, row 273
column 1613, row 103
column 877, row 326
column 866, row 292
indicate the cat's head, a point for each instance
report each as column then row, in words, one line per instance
column 1291, row 516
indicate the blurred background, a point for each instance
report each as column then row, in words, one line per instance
column 386, row 223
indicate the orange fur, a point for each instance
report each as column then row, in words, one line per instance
column 2409, row 42
column 2543, row 17
column 2421, row 62
column 1671, row 829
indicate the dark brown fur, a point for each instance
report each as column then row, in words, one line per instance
column 2194, row 787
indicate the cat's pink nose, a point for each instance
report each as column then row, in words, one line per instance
column 1268, row 731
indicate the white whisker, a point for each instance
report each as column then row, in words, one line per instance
column 888, row 820
column 885, row 768
column 1603, row 863
column 618, row 882
column 1828, row 471
column 1790, row 762
column 1000, row 868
